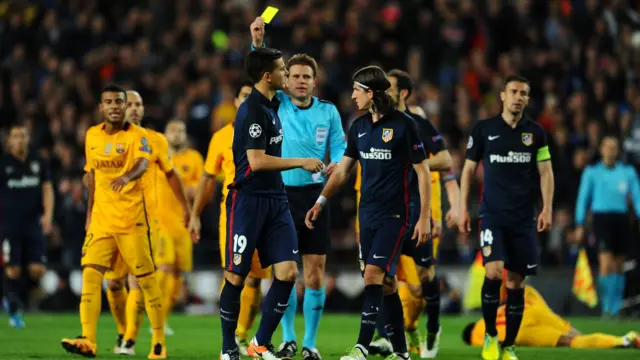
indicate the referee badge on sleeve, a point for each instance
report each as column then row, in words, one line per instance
column 387, row 135
column 527, row 139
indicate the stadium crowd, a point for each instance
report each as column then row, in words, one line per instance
column 185, row 59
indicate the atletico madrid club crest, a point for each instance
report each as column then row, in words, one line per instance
column 237, row 259
column 486, row 251
column 387, row 135
column 527, row 139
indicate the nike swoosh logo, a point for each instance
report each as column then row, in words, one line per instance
column 361, row 135
column 425, row 259
column 531, row 266
column 295, row 251
column 493, row 137
column 378, row 257
column 225, row 312
column 367, row 314
column 287, row 304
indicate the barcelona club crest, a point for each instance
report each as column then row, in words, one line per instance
column 387, row 135
column 237, row 259
column 120, row 148
column 527, row 139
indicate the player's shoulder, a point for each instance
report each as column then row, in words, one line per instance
column 534, row 126
column 193, row 153
column 95, row 130
column 324, row 104
column 223, row 132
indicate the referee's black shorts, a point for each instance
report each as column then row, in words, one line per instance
column 612, row 232
column 301, row 200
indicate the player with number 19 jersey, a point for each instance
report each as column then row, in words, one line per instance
column 258, row 214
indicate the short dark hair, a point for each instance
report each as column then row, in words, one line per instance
column 304, row 59
column 261, row 61
column 466, row 333
column 114, row 88
column 517, row 78
column 403, row 80
column 374, row 79
column 242, row 84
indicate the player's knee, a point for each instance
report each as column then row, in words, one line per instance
column 514, row 280
column 373, row 275
column 494, row 270
column 252, row 282
column 427, row 273
column 234, row 279
column 13, row 272
column 166, row 268
column 133, row 283
column 314, row 269
column 36, row 271
column 115, row 285
column 389, row 285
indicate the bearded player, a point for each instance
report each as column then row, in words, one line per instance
column 118, row 154
column 161, row 178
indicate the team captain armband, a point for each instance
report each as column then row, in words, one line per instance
column 543, row 154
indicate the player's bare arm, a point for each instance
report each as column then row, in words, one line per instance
column 48, row 201
column 453, row 196
column 547, row 188
column 440, row 161
column 138, row 169
column 178, row 190
column 464, row 221
column 335, row 182
column 259, row 161
column 89, row 181
column 202, row 196
column 422, row 229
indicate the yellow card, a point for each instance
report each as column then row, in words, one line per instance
column 269, row 13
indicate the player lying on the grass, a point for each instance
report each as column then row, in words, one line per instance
column 313, row 127
column 541, row 327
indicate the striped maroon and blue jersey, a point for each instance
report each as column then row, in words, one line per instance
column 387, row 151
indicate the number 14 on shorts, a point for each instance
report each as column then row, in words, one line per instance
column 486, row 240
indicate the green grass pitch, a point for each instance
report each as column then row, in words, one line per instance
column 198, row 337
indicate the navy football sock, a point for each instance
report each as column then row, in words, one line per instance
column 515, row 310
column 431, row 293
column 490, row 303
column 273, row 308
column 229, row 311
column 370, row 310
column 394, row 319
column 380, row 323
column 11, row 289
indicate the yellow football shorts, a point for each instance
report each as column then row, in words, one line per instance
column 133, row 249
column 256, row 268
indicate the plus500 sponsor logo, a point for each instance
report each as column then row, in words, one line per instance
column 376, row 154
column 511, row 157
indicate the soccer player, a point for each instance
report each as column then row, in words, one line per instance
column 386, row 143
column 257, row 208
column 541, row 327
column 312, row 127
column 515, row 154
column 27, row 200
column 118, row 155
column 604, row 188
column 177, row 256
column 417, row 263
column 220, row 159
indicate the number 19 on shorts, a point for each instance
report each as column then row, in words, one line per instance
column 239, row 245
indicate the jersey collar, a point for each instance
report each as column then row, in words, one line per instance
column 306, row 107
column 126, row 126
column 524, row 121
column 386, row 117
column 274, row 103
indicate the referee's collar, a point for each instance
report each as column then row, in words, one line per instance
column 274, row 103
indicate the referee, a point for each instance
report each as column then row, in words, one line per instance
column 603, row 190
column 311, row 127
column 27, row 202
